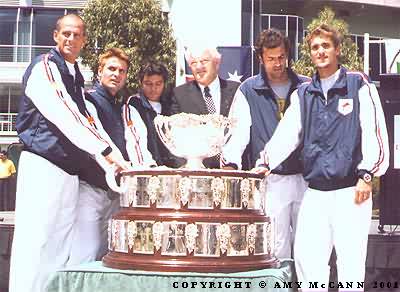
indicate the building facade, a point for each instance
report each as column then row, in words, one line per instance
column 26, row 30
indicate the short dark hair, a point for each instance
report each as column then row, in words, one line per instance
column 327, row 31
column 61, row 18
column 153, row 68
column 271, row 38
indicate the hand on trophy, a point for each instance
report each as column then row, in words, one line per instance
column 262, row 169
column 262, row 165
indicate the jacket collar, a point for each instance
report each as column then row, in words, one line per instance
column 144, row 101
column 262, row 82
column 56, row 56
column 341, row 82
column 101, row 91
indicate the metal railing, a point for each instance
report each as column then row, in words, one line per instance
column 7, row 124
column 21, row 53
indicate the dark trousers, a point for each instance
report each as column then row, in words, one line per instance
column 7, row 194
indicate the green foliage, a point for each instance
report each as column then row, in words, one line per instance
column 136, row 26
column 348, row 56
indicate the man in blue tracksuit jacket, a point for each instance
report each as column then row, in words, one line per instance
column 96, row 206
column 338, row 121
column 268, row 96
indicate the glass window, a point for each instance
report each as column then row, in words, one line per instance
column 264, row 22
column 279, row 22
column 292, row 35
column 374, row 60
column 22, row 52
column 300, row 29
column 8, row 26
column 8, row 20
column 44, row 22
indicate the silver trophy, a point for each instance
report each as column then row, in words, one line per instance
column 194, row 137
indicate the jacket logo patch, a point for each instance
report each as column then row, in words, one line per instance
column 345, row 106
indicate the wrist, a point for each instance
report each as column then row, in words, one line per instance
column 365, row 175
column 106, row 151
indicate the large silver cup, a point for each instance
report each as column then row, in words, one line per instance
column 194, row 137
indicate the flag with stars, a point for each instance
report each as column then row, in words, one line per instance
column 235, row 64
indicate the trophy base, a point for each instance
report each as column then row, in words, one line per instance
column 223, row 264
column 194, row 163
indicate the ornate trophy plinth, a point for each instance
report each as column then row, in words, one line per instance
column 192, row 219
column 188, row 220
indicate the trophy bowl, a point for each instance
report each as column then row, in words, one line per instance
column 194, row 137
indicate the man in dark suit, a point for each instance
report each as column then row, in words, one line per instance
column 207, row 93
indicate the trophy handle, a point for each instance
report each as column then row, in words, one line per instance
column 159, row 123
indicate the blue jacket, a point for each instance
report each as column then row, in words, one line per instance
column 110, row 115
column 38, row 134
column 331, row 140
column 264, row 118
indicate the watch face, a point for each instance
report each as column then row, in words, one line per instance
column 367, row 177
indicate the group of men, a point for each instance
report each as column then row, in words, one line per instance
column 322, row 138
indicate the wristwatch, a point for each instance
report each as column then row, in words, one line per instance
column 365, row 175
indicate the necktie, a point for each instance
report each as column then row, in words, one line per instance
column 209, row 102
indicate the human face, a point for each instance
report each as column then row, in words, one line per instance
column 153, row 87
column 204, row 68
column 274, row 61
column 113, row 74
column 324, row 55
column 70, row 38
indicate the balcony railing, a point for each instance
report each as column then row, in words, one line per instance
column 7, row 124
column 21, row 53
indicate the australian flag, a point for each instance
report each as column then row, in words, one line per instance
column 235, row 64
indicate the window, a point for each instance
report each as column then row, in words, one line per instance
column 8, row 18
column 43, row 25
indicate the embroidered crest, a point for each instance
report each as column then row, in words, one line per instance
column 345, row 106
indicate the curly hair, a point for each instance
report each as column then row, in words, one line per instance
column 271, row 38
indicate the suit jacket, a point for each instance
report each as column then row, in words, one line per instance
column 188, row 98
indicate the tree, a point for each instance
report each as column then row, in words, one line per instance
column 348, row 56
column 136, row 26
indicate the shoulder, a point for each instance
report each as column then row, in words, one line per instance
column 229, row 83
column 359, row 77
column 303, row 78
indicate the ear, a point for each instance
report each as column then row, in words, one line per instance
column 337, row 51
column 55, row 34
column 260, row 60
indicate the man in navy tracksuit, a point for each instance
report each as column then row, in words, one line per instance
column 267, row 97
column 56, row 125
column 338, row 120
column 95, row 207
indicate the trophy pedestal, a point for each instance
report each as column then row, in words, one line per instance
column 191, row 220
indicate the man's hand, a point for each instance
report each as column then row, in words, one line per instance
column 363, row 191
column 261, row 170
column 228, row 168
column 115, row 158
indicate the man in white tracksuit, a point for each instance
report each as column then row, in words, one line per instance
column 59, row 136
